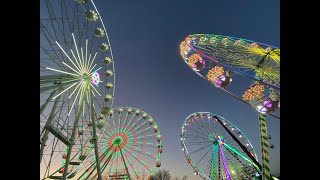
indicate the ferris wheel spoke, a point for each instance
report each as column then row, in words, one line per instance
column 124, row 123
column 89, row 68
column 136, row 157
column 51, row 57
column 51, row 14
column 150, row 136
column 56, row 19
column 142, row 130
column 114, row 125
column 203, row 156
column 67, row 89
column 81, row 90
column 196, row 144
column 195, row 137
column 79, row 64
column 130, row 128
column 133, row 143
column 84, row 60
column 75, row 44
column 92, row 67
column 196, row 130
column 119, row 121
column 79, row 72
column 200, row 149
column 95, row 90
column 71, row 68
column 204, row 126
column 62, row 71
column 126, row 127
column 107, row 132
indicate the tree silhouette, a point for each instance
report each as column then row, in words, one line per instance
column 165, row 175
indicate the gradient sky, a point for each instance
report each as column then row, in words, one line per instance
column 150, row 74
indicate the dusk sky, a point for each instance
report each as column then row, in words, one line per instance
column 150, row 74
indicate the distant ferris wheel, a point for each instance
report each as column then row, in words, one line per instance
column 216, row 149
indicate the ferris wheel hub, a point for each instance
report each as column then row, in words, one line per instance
column 117, row 141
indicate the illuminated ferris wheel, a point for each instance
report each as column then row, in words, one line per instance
column 130, row 144
column 216, row 149
column 229, row 63
column 76, row 82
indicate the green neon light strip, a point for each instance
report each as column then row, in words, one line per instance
column 140, row 126
column 112, row 119
column 148, row 136
column 213, row 162
column 133, row 124
column 114, row 125
column 112, row 160
column 115, row 167
column 119, row 124
column 124, row 123
column 127, row 127
column 129, row 122
column 135, row 156
column 229, row 147
column 107, row 132
column 143, row 130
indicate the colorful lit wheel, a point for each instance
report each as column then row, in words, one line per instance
column 76, row 80
column 216, row 149
column 130, row 144
column 218, row 59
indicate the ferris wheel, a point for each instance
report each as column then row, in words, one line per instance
column 223, row 59
column 77, row 82
column 217, row 58
column 216, row 149
column 130, row 144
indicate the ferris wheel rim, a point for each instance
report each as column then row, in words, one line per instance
column 185, row 151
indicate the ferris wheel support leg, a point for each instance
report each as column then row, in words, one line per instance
column 45, row 136
column 264, row 145
column 101, row 157
column 219, row 164
column 125, row 165
column 75, row 127
column 44, row 105
column 213, row 162
column 95, row 137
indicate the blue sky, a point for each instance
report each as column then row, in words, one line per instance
column 150, row 74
